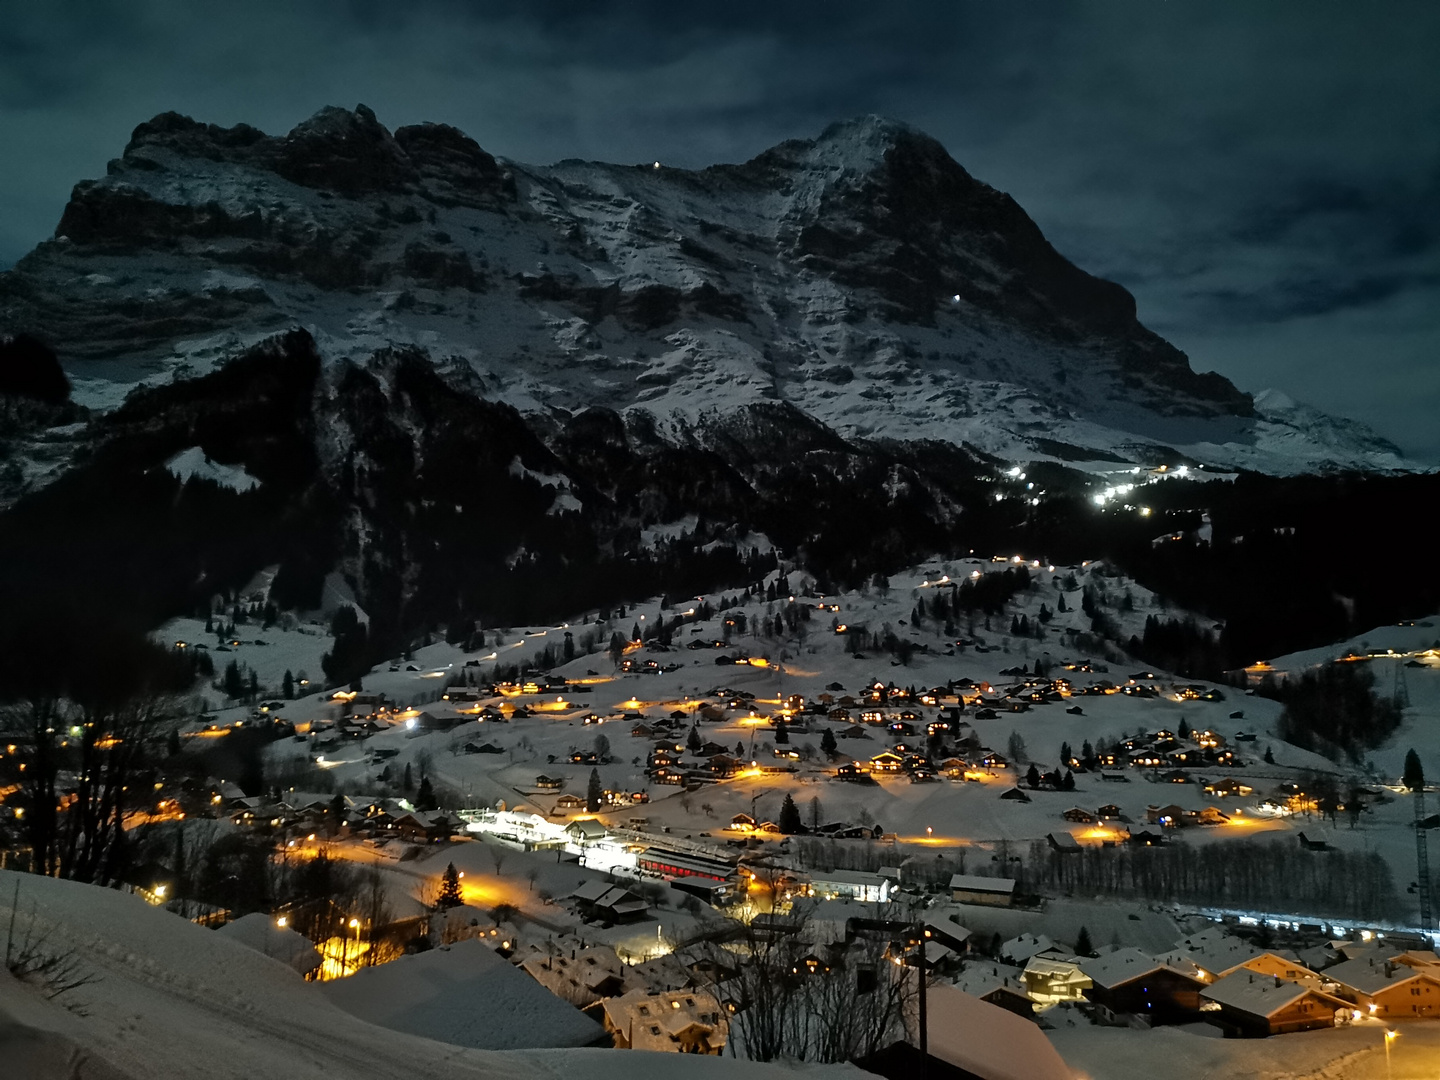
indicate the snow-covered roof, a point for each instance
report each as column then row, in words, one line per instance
column 1019, row 949
column 989, row 1041
column 1214, row 951
column 976, row 883
column 1122, row 966
column 1370, row 975
column 435, row 994
column 259, row 932
column 1262, row 995
column 654, row 1020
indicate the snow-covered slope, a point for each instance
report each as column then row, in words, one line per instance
column 170, row 999
column 862, row 277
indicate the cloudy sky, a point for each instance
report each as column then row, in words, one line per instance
column 1264, row 175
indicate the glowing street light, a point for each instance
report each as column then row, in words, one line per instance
column 1390, row 1036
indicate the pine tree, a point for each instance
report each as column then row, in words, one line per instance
column 1269, row 756
column 425, row 797
column 782, row 733
column 287, row 685
column 450, row 895
column 409, row 782
column 1032, row 776
column 234, row 683
column 594, row 793
column 1414, row 775
column 789, row 816
column 1083, row 947
column 172, row 743
column 694, row 743
column 1068, row 783
column 827, row 742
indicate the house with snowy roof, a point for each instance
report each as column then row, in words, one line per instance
column 1051, row 977
column 1249, row 1003
column 998, row 984
column 1020, row 949
column 1129, row 981
column 689, row 1021
column 1215, row 954
column 974, row 889
column 1386, row 989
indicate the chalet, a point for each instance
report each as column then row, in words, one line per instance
column 1249, row 1003
column 1051, row 978
column 423, row 826
column 887, row 762
column 688, row 1021
column 1206, row 815
column 1386, row 989
column 580, row 976
column 1169, row 816
column 991, row 891
column 1128, row 981
column 1146, row 838
column 742, row 822
column 1079, row 816
column 1063, row 843
column 586, row 831
column 853, row 773
column 1312, row 845
column 1113, row 777
column 997, row 984
column 566, row 804
column 601, row 900
column 1214, row 954
column 952, row 935
column 1229, row 787
column 1109, row 812
column 1015, row 795
column 549, row 783
column 1020, row 949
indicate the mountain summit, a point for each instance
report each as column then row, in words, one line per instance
column 862, row 277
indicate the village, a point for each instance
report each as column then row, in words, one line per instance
column 742, row 782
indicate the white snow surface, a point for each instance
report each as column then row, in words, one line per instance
column 194, row 462
column 465, row 994
column 177, row 1001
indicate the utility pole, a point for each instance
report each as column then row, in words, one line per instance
column 1422, row 859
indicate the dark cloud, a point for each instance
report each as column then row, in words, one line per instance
column 1262, row 176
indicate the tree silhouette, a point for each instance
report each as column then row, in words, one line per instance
column 1414, row 776
column 594, row 793
column 789, row 817
column 449, row 888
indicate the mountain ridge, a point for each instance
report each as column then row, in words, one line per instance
column 864, row 276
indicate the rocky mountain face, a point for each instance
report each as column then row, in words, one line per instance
column 495, row 382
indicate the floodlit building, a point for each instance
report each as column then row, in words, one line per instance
column 680, row 1021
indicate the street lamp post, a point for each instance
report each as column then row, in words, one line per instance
column 1390, row 1036
column 355, row 925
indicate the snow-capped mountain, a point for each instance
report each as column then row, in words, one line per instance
column 863, row 279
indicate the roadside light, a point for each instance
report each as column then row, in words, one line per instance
column 281, row 921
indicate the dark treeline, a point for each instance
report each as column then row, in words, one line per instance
column 447, row 512
column 1256, row 875
column 1334, row 709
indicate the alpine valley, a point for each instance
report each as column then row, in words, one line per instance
column 392, row 369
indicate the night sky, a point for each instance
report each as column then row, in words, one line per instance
column 1264, row 176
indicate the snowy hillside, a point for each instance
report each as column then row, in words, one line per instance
column 863, row 278
column 171, row 999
